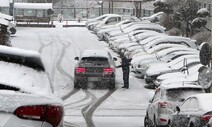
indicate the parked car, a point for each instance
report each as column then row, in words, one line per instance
column 109, row 20
column 164, row 101
column 95, row 66
column 95, row 20
column 189, row 70
column 195, row 111
column 136, row 26
column 157, row 69
column 27, row 95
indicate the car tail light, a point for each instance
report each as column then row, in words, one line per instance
column 163, row 120
column 163, row 104
column 47, row 113
column 80, row 70
column 108, row 70
column 205, row 117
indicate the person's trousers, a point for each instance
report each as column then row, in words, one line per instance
column 126, row 78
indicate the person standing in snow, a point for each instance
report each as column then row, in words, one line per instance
column 125, row 63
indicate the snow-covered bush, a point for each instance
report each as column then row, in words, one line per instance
column 174, row 32
column 202, row 37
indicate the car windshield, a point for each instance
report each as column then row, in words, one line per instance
column 178, row 94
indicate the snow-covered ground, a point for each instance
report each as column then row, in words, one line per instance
column 58, row 47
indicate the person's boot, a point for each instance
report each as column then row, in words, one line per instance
column 123, row 87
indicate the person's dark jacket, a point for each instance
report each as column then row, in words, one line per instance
column 125, row 63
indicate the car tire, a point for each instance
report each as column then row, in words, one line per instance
column 155, row 123
column 76, row 85
column 84, row 86
column 112, row 85
column 146, row 122
column 191, row 125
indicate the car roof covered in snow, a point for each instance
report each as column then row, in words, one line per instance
column 28, row 58
column 94, row 53
column 4, row 22
column 176, row 85
column 203, row 100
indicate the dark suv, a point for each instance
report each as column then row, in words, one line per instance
column 95, row 66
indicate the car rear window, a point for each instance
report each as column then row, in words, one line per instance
column 94, row 60
column 181, row 93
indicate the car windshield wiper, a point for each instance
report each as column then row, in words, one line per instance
column 6, row 87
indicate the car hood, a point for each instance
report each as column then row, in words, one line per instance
column 157, row 68
column 11, row 100
column 187, row 78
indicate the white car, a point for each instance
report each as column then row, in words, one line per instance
column 109, row 20
column 137, row 26
column 195, row 111
column 27, row 95
column 171, row 39
column 164, row 101
column 97, row 19
column 157, row 69
column 183, row 75
column 142, row 66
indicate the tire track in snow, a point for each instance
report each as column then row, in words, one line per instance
column 89, row 109
column 67, row 124
column 87, row 96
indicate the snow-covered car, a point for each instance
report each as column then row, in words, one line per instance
column 164, row 101
column 189, row 73
column 28, row 97
column 96, row 66
column 134, row 36
column 136, row 26
column 104, row 20
column 109, row 20
column 97, row 19
column 170, row 39
column 195, row 111
column 154, row 18
column 162, row 52
column 11, row 24
column 161, row 68
column 142, row 66
column 108, row 28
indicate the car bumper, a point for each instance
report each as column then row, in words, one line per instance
column 94, row 78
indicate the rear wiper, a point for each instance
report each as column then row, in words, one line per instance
column 6, row 87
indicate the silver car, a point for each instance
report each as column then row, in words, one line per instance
column 164, row 101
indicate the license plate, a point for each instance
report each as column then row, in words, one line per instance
column 93, row 79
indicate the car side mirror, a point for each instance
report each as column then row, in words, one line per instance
column 181, row 100
column 178, row 109
column 76, row 58
column 114, row 58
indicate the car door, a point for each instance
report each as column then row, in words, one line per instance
column 179, row 118
column 152, row 109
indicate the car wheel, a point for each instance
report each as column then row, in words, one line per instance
column 112, row 85
column 169, row 124
column 146, row 122
column 191, row 125
column 76, row 85
column 155, row 123
column 84, row 86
